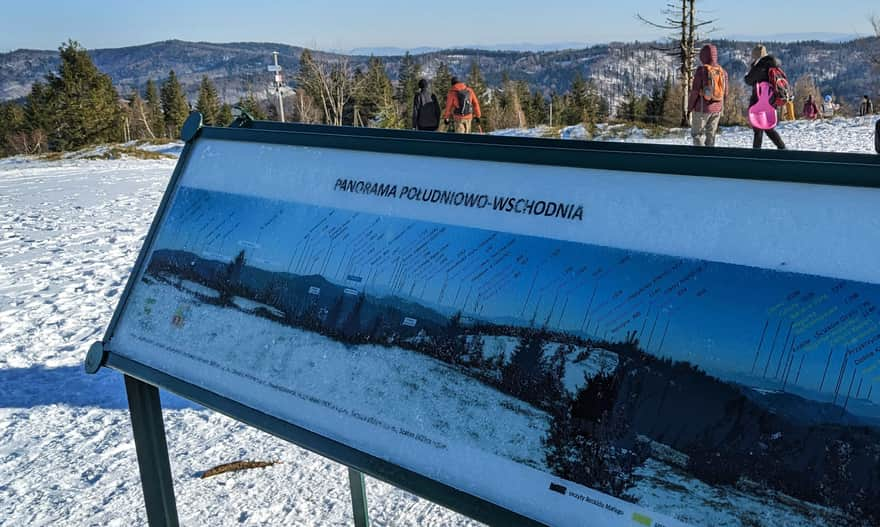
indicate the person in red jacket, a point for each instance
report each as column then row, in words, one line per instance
column 811, row 111
column 706, row 99
column 461, row 105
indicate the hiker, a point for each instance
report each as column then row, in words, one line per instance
column 426, row 108
column 866, row 108
column 811, row 111
column 828, row 107
column 760, row 72
column 462, row 105
column 706, row 99
column 788, row 111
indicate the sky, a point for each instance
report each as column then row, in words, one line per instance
column 347, row 24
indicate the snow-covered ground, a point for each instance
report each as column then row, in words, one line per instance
column 70, row 231
column 833, row 135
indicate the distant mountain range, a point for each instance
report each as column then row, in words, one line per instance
column 841, row 68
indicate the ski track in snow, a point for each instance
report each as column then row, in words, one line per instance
column 70, row 232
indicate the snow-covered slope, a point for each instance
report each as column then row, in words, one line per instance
column 854, row 135
column 70, row 231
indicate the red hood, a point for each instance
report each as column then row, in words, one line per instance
column 709, row 55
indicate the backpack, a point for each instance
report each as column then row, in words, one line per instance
column 427, row 114
column 782, row 92
column 713, row 89
column 465, row 107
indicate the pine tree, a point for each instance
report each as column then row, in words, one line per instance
column 224, row 115
column 80, row 106
column 374, row 100
column 250, row 104
column 484, row 96
column 174, row 105
column 154, row 110
column 407, row 86
column 208, row 103
column 442, row 83
column 11, row 125
column 536, row 111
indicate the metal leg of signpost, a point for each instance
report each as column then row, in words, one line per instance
column 358, row 498
column 152, row 452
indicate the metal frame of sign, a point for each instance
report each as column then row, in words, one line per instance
column 142, row 382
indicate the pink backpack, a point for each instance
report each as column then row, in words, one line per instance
column 762, row 115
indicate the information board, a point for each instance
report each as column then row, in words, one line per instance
column 583, row 347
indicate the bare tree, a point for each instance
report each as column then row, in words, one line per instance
column 875, row 23
column 331, row 85
column 28, row 143
column 681, row 20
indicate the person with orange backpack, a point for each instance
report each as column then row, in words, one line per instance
column 462, row 105
column 706, row 100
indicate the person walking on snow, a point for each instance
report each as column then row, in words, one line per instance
column 462, row 105
column 760, row 72
column 866, row 108
column 706, row 99
column 426, row 108
column 811, row 111
column 828, row 107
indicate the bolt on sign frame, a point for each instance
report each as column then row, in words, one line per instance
column 848, row 173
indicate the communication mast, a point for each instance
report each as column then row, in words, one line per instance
column 279, row 80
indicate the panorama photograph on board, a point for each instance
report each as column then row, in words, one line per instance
column 702, row 392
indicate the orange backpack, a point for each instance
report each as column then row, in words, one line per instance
column 713, row 89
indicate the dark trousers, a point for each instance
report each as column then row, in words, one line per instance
column 772, row 134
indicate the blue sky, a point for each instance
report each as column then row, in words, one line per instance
column 345, row 24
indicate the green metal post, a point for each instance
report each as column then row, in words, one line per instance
column 152, row 452
column 358, row 498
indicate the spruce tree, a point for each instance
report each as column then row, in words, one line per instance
column 442, row 83
column 12, row 121
column 407, row 85
column 80, row 104
column 375, row 97
column 250, row 104
column 487, row 103
column 174, row 105
column 154, row 110
column 224, row 115
column 208, row 103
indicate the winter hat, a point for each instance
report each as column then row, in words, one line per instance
column 759, row 52
column 827, row 98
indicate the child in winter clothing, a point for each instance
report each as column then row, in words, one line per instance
column 811, row 111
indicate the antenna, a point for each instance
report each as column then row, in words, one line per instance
column 278, row 82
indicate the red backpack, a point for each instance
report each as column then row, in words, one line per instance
column 782, row 92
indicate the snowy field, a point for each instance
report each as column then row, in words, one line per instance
column 70, row 231
column 854, row 135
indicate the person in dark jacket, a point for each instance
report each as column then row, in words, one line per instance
column 760, row 72
column 706, row 99
column 866, row 107
column 426, row 108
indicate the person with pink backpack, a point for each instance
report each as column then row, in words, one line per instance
column 762, row 112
